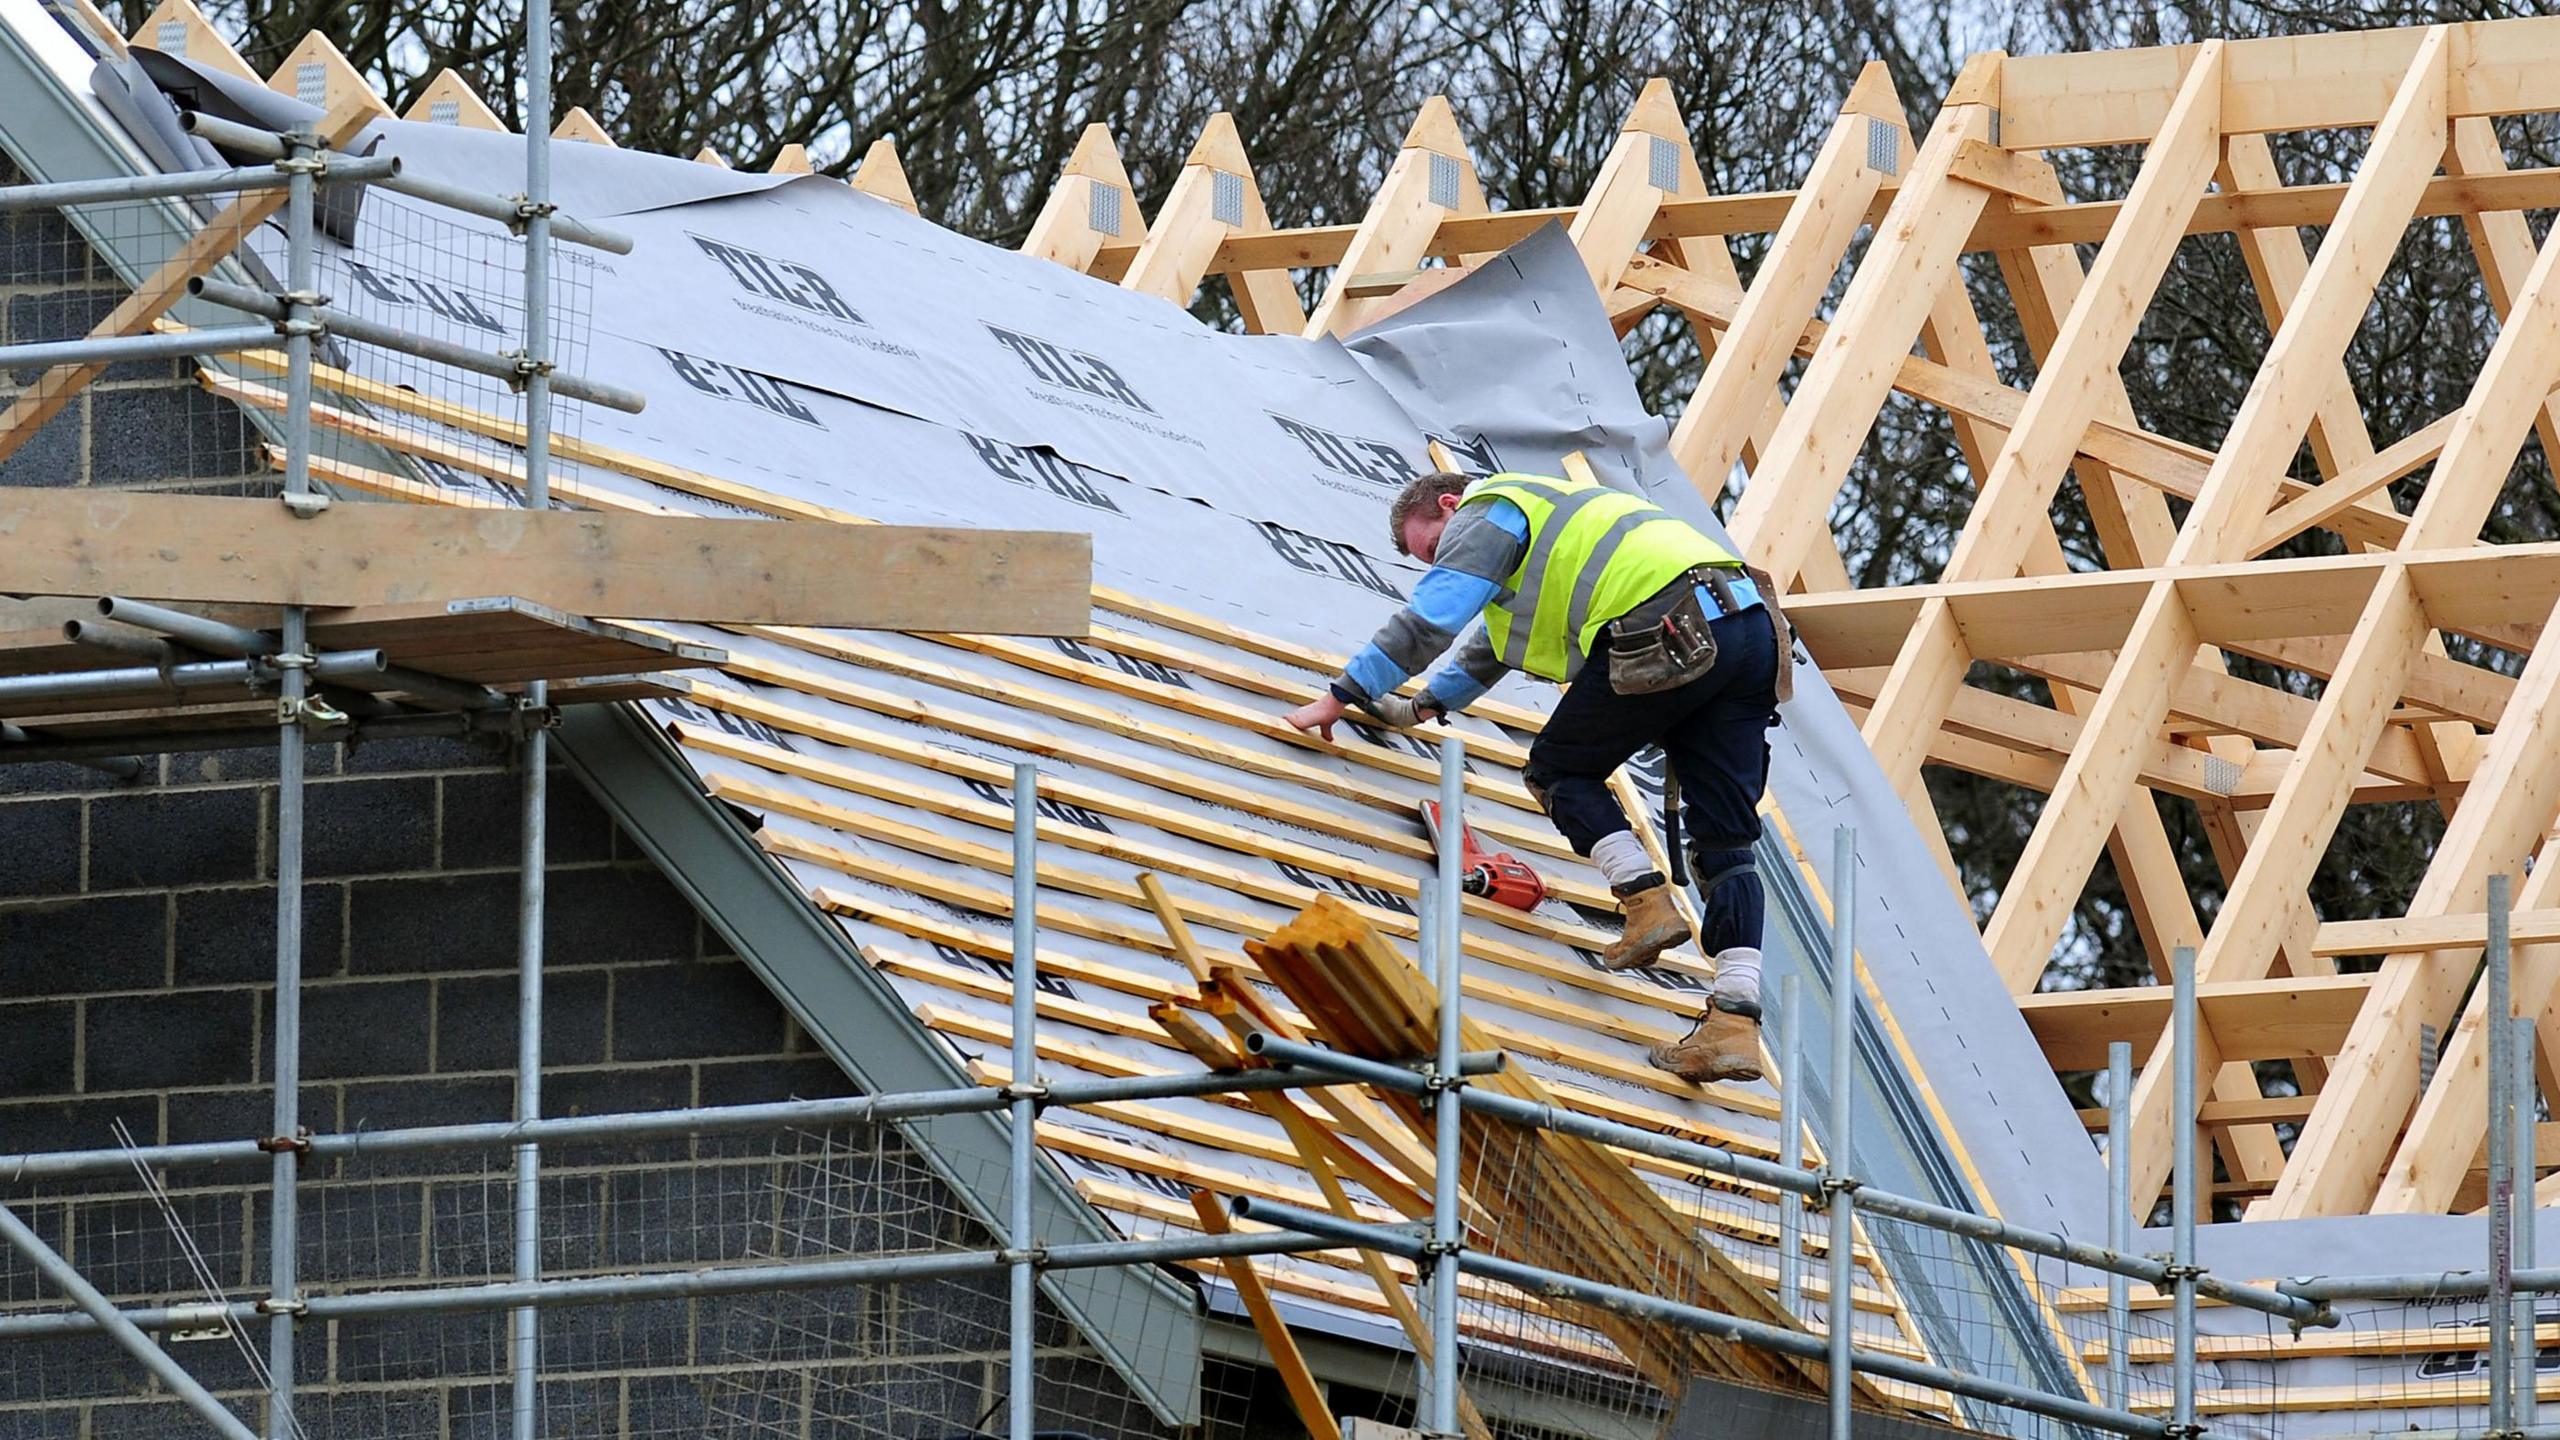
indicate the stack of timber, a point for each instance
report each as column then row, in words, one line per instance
column 1601, row 1220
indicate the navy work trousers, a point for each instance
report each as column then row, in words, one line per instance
column 1714, row 729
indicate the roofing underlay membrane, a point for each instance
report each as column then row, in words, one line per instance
column 820, row 351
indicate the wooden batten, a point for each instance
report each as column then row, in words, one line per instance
column 792, row 159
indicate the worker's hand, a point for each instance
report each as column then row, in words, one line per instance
column 1317, row 715
column 1404, row 713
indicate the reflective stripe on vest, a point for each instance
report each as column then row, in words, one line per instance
column 1594, row 553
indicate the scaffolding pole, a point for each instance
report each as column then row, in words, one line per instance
column 1449, row 1100
column 1839, row 1188
column 302, row 161
column 1790, row 1145
column 2502, row 1175
column 2527, row 1315
column 2119, row 1219
column 534, row 365
column 1021, row 1243
column 2182, row 1197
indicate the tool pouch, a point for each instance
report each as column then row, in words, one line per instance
column 1784, row 633
column 1665, row 653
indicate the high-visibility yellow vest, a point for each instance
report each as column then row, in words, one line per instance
column 1594, row 554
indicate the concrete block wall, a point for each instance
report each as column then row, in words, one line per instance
column 136, row 986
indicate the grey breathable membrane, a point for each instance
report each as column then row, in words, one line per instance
column 805, row 340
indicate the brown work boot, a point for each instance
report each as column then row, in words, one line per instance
column 1723, row 1045
column 1653, row 926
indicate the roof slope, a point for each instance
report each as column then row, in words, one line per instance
column 823, row 354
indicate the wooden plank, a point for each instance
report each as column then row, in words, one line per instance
column 1650, row 161
column 166, row 286
column 2299, row 82
column 1370, row 1001
column 218, row 548
column 2404, row 457
column 2250, row 1019
column 2501, row 240
column 1279, row 1346
column 2413, row 933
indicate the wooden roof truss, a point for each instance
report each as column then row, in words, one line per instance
column 2133, row 658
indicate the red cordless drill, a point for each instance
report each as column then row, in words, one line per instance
column 1497, row 875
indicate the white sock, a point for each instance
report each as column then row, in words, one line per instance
column 1738, row 974
column 1621, row 858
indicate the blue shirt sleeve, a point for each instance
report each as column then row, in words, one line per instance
column 1444, row 600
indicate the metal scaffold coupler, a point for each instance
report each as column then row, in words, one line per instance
column 297, row 1143
column 2171, row 1272
column 528, row 210
column 282, row 1305
column 525, row 366
column 1036, row 1256
column 1032, row 1090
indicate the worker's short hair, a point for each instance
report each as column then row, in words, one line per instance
column 1418, row 495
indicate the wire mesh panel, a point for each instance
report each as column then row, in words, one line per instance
column 906, row 1357
column 394, row 422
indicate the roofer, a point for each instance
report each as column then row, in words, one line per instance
column 1660, row 636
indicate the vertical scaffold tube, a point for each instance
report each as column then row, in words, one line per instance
column 2502, row 1175
column 2119, row 1220
column 525, row 1324
column 293, row 658
column 1790, row 1144
column 2182, row 1198
column 1842, row 1307
column 1447, row 910
column 2528, row 1350
column 1026, row 1109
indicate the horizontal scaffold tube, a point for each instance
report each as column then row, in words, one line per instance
column 2419, row 1285
column 2285, row 1304
column 348, row 326
column 1539, row 1281
column 115, row 349
column 506, row 210
column 653, row 1124
column 711, row 1280
column 56, row 194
